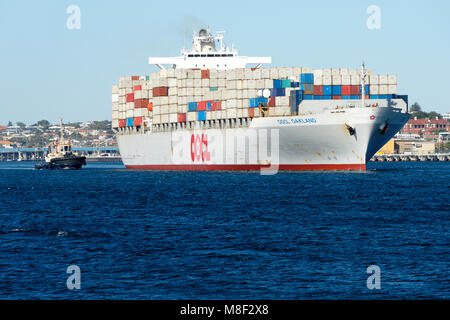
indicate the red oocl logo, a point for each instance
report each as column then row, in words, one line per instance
column 199, row 148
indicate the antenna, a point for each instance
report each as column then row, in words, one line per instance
column 363, row 84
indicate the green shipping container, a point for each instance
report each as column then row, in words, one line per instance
column 285, row 83
column 213, row 89
column 147, row 78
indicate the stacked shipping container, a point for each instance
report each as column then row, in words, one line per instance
column 185, row 95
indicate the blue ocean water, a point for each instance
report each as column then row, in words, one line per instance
column 183, row 235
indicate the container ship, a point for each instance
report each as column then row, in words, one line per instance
column 211, row 109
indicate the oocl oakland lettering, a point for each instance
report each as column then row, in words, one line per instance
column 199, row 148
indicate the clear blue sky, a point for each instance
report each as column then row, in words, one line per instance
column 48, row 71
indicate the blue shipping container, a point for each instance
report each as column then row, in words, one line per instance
column 327, row 97
column 307, row 87
column 192, row 106
column 201, row 115
column 295, row 84
column 366, row 89
column 255, row 102
column 208, row 106
column 307, row 78
column 278, row 92
column 129, row 122
column 317, row 97
column 277, row 84
column 346, row 97
column 299, row 96
column 355, row 97
column 336, row 90
column 374, row 96
column 308, row 96
column 327, row 91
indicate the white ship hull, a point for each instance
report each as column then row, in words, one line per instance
column 319, row 141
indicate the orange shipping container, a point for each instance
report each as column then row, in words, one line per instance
column 150, row 106
column 160, row 92
column 205, row 74
column 137, row 88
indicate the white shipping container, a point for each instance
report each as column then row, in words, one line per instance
column 130, row 113
column 337, row 80
column 231, row 113
column 172, row 82
column 374, row 80
column 156, row 119
column 115, row 115
column 191, row 116
column 355, row 80
column 326, row 80
column 165, row 109
column 392, row 89
column 205, row 83
column 248, row 74
column 273, row 73
column 157, row 110
column 282, row 101
column 173, row 108
column 335, row 72
column 318, row 80
column 173, row 101
column 115, row 97
column 115, row 123
column 383, row 79
column 346, row 80
column 383, row 89
column 265, row 74
column 173, row 117
column 213, row 82
column 392, row 79
column 165, row 118
column 374, row 89
column 198, row 91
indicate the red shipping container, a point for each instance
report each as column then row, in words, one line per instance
column 318, row 90
column 134, row 78
column 130, row 97
column 137, row 88
column 218, row 105
column 346, row 90
column 205, row 74
column 150, row 106
column 271, row 102
column 121, row 123
column 141, row 103
column 160, row 92
column 337, row 97
column 137, row 121
column 182, row 117
column 201, row 106
column 251, row 112
column 354, row 90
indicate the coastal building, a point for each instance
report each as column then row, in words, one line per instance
column 7, row 144
column 446, row 116
column 428, row 128
column 415, row 147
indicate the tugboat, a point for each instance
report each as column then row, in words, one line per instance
column 60, row 156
